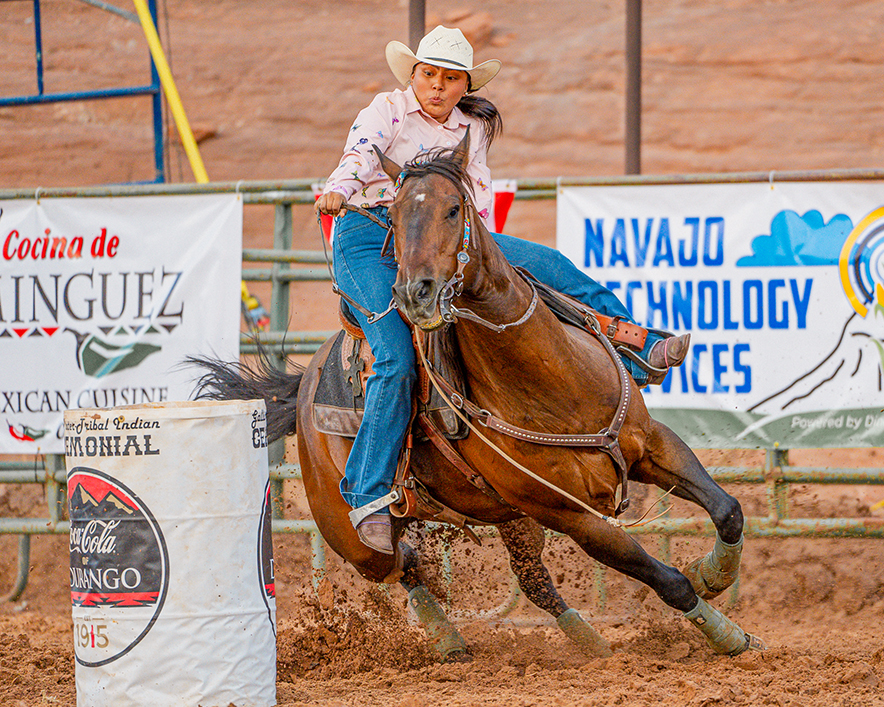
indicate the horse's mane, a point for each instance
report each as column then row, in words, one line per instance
column 444, row 161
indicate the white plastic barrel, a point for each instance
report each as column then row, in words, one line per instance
column 171, row 556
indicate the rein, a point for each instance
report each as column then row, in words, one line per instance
column 370, row 316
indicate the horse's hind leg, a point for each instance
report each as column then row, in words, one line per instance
column 441, row 632
column 670, row 463
column 524, row 539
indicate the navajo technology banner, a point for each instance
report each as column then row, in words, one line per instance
column 781, row 286
column 101, row 299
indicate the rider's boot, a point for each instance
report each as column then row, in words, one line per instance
column 667, row 353
column 376, row 531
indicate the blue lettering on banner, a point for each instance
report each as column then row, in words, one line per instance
column 710, row 304
column 729, row 370
column 740, row 367
column 616, row 248
column 713, row 223
column 663, row 247
column 681, row 304
column 707, row 317
column 706, row 303
column 684, row 259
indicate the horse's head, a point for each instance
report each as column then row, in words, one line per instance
column 433, row 221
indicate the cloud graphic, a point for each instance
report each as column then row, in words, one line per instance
column 800, row 240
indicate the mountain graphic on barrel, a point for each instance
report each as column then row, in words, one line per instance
column 118, row 554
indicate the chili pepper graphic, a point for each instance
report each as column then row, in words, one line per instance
column 23, row 433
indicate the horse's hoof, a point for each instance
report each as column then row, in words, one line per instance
column 460, row 655
column 722, row 634
column 755, row 643
column 585, row 636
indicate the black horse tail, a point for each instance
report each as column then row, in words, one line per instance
column 234, row 380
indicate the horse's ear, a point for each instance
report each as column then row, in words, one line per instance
column 463, row 148
column 391, row 169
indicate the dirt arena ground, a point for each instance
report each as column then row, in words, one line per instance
column 271, row 89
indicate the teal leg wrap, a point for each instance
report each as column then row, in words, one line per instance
column 440, row 630
column 712, row 574
column 721, row 633
column 584, row 635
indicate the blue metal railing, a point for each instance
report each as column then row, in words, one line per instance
column 153, row 89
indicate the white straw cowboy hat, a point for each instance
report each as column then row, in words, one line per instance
column 443, row 47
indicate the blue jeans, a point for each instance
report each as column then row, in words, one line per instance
column 554, row 269
column 368, row 279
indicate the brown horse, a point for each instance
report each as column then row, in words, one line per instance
column 524, row 367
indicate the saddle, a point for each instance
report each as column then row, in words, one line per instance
column 339, row 403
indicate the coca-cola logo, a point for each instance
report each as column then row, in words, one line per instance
column 119, row 560
column 96, row 537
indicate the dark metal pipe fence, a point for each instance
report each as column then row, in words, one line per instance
column 153, row 89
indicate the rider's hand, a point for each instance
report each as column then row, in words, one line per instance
column 330, row 203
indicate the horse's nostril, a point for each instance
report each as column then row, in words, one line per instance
column 416, row 294
column 423, row 290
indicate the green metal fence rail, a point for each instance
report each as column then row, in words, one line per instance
column 776, row 474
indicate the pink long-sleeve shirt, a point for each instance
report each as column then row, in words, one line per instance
column 396, row 123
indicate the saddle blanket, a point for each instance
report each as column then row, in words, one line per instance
column 339, row 403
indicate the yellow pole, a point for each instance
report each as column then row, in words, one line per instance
column 159, row 58
column 190, row 148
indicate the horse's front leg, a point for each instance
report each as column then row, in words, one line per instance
column 612, row 546
column 670, row 464
column 524, row 539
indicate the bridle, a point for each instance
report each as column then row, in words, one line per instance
column 452, row 288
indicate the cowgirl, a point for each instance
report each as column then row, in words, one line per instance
column 435, row 110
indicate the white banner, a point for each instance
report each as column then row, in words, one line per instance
column 781, row 286
column 101, row 299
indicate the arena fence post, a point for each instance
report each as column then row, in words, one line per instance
column 55, row 486
column 775, row 460
column 279, row 320
column 24, row 561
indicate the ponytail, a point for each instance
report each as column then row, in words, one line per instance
column 485, row 112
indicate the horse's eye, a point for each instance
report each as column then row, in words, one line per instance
column 454, row 211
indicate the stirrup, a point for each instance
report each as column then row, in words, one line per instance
column 357, row 515
column 655, row 375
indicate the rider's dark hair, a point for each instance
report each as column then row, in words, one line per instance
column 485, row 112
